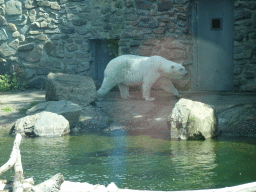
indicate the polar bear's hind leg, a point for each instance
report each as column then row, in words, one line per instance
column 124, row 91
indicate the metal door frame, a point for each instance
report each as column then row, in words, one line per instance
column 195, row 83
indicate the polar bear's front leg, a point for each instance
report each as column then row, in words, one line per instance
column 148, row 81
column 174, row 90
column 166, row 84
column 124, row 91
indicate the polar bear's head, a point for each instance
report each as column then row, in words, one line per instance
column 171, row 69
column 177, row 71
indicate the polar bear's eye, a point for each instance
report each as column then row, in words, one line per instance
column 172, row 67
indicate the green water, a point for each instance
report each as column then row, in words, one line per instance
column 136, row 162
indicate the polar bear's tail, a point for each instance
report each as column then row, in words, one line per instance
column 106, row 86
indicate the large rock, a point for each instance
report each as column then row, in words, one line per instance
column 94, row 118
column 41, row 124
column 238, row 120
column 79, row 89
column 192, row 120
column 69, row 110
column 38, row 82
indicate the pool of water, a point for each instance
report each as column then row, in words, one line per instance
column 136, row 162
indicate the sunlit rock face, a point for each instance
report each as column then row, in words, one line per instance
column 75, row 88
column 44, row 124
column 192, row 120
column 67, row 109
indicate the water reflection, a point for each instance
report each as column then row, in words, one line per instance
column 136, row 162
column 184, row 162
column 43, row 154
column 118, row 165
column 194, row 162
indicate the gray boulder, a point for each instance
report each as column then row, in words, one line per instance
column 44, row 124
column 94, row 118
column 75, row 88
column 69, row 110
column 192, row 120
column 37, row 82
column 238, row 120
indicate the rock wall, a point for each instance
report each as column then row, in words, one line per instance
column 39, row 37
column 245, row 46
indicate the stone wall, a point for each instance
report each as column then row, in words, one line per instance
column 39, row 37
column 245, row 46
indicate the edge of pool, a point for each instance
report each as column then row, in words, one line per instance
column 68, row 186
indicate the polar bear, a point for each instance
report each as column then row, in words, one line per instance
column 127, row 70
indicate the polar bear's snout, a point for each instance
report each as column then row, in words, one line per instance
column 183, row 72
column 186, row 73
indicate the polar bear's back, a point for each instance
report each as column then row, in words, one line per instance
column 122, row 66
column 125, row 62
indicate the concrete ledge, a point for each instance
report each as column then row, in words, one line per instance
column 68, row 186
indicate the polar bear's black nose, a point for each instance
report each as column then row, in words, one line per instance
column 186, row 73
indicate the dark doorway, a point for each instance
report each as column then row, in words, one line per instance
column 102, row 51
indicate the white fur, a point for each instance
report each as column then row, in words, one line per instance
column 127, row 70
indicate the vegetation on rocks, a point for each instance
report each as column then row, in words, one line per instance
column 14, row 82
